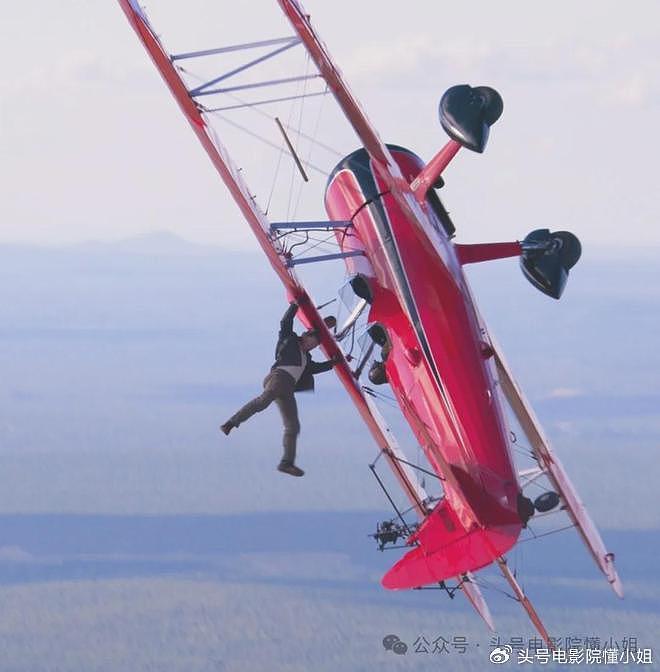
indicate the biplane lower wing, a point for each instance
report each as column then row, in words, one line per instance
column 551, row 465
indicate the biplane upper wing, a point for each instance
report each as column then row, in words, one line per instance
column 551, row 465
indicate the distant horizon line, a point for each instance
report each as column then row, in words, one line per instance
column 161, row 237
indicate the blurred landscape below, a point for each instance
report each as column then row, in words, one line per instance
column 134, row 536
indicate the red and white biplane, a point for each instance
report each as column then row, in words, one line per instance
column 423, row 333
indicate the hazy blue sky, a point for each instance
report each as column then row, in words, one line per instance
column 93, row 147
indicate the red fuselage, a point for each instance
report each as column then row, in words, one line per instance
column 440, row 362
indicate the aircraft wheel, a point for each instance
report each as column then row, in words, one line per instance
column 546, row 502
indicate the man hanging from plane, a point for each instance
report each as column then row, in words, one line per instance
column 293, row 371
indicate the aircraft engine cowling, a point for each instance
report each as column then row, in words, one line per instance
column 547, row 257
column 467, row 113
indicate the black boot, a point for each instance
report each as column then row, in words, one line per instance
column 289, row 468
column 227, row 427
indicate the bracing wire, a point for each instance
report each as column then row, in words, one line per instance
column 293, row 166
column 270, row 143
column 487, row 585
column 547, row 534
column 252, row 108
column 300, row 123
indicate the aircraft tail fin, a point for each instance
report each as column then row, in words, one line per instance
column 445, row 549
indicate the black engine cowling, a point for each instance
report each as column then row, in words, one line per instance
column 467, row 113
column 547, row 258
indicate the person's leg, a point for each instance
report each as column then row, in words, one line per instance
column 255, row 405
column 288, row 407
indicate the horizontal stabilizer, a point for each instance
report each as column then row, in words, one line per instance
column 446, row 549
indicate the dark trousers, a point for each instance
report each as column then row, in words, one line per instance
column 279, row 387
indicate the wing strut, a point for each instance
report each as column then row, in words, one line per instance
column 524, row 600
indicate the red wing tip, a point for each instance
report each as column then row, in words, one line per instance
column 617, row 587
column 473, row 594
column 389, row 583
column 612, row 576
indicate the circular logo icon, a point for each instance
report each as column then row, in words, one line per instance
column 394, row 644
column 389, row 641
column 500, row 654
column 399, row 647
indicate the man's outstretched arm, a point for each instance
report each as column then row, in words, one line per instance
column 286, row 323
column 320, row 367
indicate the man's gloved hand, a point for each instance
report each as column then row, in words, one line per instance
column 302, row 299
column 336, row 359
